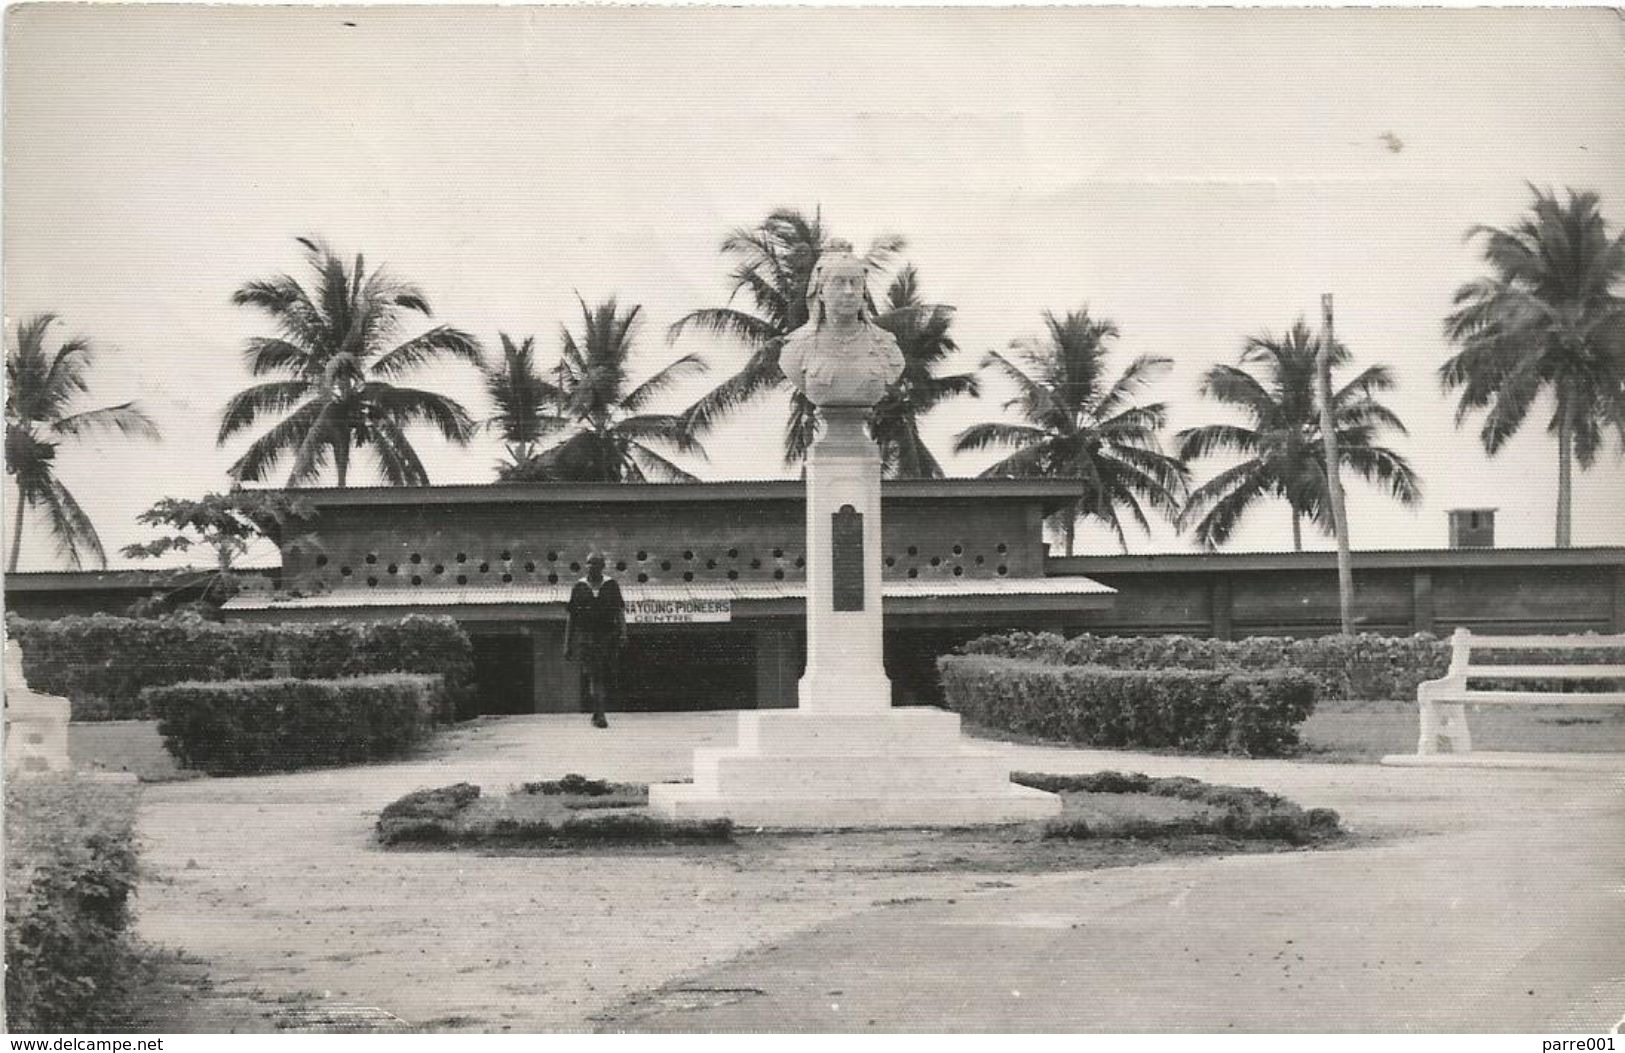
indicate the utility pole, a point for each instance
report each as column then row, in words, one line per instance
column 1334, row 481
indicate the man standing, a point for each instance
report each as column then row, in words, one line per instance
column 595, row 631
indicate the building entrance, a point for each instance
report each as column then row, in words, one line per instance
column 676, row 669
column 504, row 674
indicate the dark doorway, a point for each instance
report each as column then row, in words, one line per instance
column 504, row 675
column 688, row 670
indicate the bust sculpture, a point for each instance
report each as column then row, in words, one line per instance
column 840, row 358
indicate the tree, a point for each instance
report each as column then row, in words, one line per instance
column 1284, row 455
column 339, row 395
column 227, row 524
column 773, row 264
column 40, row 389
column 527, row 404
column 1545, row 321
column 921, row 330
column 611, row 438
column 1077, row 425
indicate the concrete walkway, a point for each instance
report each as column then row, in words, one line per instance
column 1476, row 901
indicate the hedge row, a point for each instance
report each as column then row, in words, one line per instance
column 437, row 817
column 102, row 663
column 1346, row 667
column 236, row 727
column 70, row 872
column 1217, row 710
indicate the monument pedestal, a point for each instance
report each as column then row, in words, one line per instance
column 36, row 725
column 845, row 757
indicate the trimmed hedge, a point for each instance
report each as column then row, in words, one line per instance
column 1206, row 711
column 242, row 726
column 1366, row 666
column 102, row 663
column 70, row 873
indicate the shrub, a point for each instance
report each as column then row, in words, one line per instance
column 549, row 816
column 242, row 726
column 580, row 786
column 102, row 663
column 1366, row 666
column 70, row 872
column 1244, row 811
column 1188, row 709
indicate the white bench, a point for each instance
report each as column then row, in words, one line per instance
column 1444, row 702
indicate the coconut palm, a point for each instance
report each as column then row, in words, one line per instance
column 1545, row 321
column 773, row 264
column 527, row 403
column 921, row 330
column 611, row 435
column 1281, row 441
column 333, row 345
column 39, row 390
column 1076, row 424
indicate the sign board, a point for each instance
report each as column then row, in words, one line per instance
column 846, row 559
column 678, row 612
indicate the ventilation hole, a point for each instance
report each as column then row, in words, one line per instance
column 416, row 580
column 372, row 557
column 755, row 564
column 733, row 575
column 979, row 561
column 507, row 579
column 642, row 578
column 959, row 550
column 801, row 561
column 733, row 553
column 936, row 561
column 891, row 561
column 913, row 551
column 642, row 555
column 1003, row 548
column 575, row 568
column 462, row 579
column 293, row 550
column 710, row 564
column 778, row 575
column 372, row 583
column 1003, row 569
column 530, row 566
column 688, row 575
column 552, row 579
column 462, row 557
column 688, row 553
column 485, row 568
column 620, row 564
column 393, row 569
column 506, row 556
column 417, row 558
column 345, row 571
column 552, row 557
column 778, row 553
column 321, row 561
column 959, row 572
column 665, row 564
column 914, row 572
column 439, row 568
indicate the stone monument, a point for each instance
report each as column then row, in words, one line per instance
column 36, row 725
column 844, row 757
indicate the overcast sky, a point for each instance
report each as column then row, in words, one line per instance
column 1194, row 176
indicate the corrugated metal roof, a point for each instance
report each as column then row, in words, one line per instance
column 732, row 591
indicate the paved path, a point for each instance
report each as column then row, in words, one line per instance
column 1475, row 889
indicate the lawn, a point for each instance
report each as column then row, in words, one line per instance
column 1363, row 732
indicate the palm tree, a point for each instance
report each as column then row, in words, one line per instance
column 610, row 432
column 921, row 330
column 39, row 389
column 331, row 344
column 527, row 404
column 1546, row 320
column 1077, row 425
column 773, row 264
column 1285, row 455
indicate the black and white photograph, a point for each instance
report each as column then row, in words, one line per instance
column 813, row 520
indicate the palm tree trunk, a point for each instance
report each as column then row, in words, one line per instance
column 16, row 534
column 341, row 460
column 1565, row 476
column 1297, row 531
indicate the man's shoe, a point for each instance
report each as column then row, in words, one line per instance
column 598, row 721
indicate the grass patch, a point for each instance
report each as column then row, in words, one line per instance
column 1364, row 732
column 572, row 811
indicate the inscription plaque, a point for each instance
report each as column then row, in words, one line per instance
column 846, row 558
